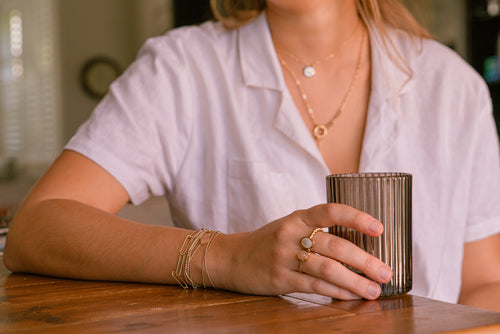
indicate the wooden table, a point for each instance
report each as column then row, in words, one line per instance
column 30, row 303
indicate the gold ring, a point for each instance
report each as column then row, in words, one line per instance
column 307, row 243
column 302, row 256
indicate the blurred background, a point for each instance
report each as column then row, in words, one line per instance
column 57, row 58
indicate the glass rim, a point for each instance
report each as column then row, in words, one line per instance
column 369, row 175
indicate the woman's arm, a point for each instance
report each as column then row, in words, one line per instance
column 67, row 227
column 481, row 274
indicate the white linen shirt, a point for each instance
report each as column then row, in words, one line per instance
column 204, row 117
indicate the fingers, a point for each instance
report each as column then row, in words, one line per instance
column 325, row 276
column 326, row 215
column 344, row 251
column 323, row 271
column 310, row 284
column 325, row 265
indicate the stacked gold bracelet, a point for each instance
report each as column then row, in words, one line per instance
column 189, row 248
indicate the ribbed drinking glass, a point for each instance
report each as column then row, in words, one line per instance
column 387, row 197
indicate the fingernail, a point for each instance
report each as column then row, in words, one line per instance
column 385, row 273
column 374, row 290
column 374, row 226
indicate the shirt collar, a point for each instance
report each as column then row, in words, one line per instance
column 259, row 63
column 260, row 66
column 385, row 118
column 390, row 79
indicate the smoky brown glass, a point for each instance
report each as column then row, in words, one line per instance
column 388, row 198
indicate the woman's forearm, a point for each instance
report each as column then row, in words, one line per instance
column 70, row 239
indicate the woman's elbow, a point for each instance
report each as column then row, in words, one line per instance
column 18, row 243
column 9, row 256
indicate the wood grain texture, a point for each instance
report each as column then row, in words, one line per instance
column 37, row 304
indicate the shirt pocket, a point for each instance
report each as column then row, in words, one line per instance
column 256, row 194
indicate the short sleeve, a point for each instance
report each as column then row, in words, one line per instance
column 484, row 207
column 140, row 131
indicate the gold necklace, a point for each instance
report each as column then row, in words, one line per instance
column 320, row 131
column 309, row 69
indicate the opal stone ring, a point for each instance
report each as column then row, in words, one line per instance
column 307, row 243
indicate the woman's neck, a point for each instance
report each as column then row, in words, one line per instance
column 311, row 29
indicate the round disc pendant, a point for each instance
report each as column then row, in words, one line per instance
column 309, row 71
column 320, row 131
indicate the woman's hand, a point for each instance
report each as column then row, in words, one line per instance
column 265, row 261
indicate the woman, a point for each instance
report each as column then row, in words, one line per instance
column 238, row 128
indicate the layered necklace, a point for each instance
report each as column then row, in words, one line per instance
column 309, row 69
column 320, row 131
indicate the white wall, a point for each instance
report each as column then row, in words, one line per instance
column 445, row 19
column 86, row 28
column 152, row 17
column 448, row 24
column 113, row 28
